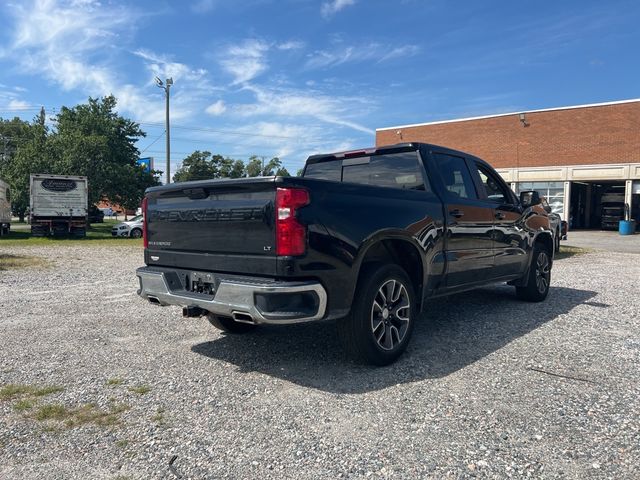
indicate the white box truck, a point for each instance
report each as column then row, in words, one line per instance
column 58, row 205
column 5, row 208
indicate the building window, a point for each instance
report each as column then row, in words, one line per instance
column 552, row 191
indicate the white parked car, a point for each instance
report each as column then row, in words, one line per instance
column 131, row 228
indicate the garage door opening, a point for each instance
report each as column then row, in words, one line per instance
column 596, row 205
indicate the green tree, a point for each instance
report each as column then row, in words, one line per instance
column 231, row 168
column 134, row 180
column 254, row 167
column 198, row 166
column 93, row 140
column 24, row 152
column 271, row 167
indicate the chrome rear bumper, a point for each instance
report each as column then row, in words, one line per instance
column 234, row 297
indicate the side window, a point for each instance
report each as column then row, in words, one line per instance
column 394, row 170
column 456, row 176
column 494, row 189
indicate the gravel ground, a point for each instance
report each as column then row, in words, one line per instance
column 608, row 240
column 489, row 387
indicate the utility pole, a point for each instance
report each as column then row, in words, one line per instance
column 166, row 86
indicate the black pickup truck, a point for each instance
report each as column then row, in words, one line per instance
column 363, row 237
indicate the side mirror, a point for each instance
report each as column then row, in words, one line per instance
column 529, row 198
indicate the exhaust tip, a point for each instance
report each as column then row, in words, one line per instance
column 242, row 317
column 154, row 300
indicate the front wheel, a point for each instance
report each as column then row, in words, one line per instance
column 380, row 324
column 539, row 279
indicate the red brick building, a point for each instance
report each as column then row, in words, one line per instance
column 577, row 155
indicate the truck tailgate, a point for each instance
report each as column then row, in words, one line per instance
column 215, row 225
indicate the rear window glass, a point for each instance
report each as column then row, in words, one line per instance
column 331, row 170
column 394, row 170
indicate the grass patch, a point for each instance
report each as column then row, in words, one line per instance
column 44, row 391
column 23, row 405
column 98, row 234
column 113, row 382
column 54, row 411
column 13, row 390
column 122, row 443
column 73, row 417
column 140, row 389
column 159, row 417
column 568, row 251
column 8, row 262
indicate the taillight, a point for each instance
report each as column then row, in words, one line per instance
column 291, row 235
column 145, row 237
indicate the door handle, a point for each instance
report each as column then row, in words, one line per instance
column 456, row 213
column 500, row 215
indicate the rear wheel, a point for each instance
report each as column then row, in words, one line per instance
column 539, row 279
column 229, row 325
column 557, row 241
column 136, row 233
column 382, row 316
column 79, row 232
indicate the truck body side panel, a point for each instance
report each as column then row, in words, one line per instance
column 58, row 197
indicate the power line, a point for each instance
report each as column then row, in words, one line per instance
column 225, row 132
column 151, row 144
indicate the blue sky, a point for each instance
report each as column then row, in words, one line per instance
column 294, row 77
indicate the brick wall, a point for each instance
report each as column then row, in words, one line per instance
column 578, row 136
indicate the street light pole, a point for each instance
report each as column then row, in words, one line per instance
column 166, row 86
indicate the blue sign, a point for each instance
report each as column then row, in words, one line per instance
column 146, row 164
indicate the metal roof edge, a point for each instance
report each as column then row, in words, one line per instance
column 483, row 117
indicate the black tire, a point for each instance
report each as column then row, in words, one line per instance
column 539, row 279
column 378, row 329
column 229, row 325
column 79, row 232
column 135, row 233
column 556, row 242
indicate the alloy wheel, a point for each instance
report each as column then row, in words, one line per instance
column 390, row 314
column 543, row 272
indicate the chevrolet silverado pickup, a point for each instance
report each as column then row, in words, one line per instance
column 362, row 237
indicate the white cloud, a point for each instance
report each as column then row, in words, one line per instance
column 203, row 6
column 290, row 103
column 18, row 105
column 397, row 52
column 161, row 66
column 291, row 45
column 246, row 60
column 216, row 108
column 369, row 52
column 332, row 7
column 74, row 43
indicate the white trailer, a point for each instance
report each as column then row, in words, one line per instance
column 5, row 208
column 58, row 205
